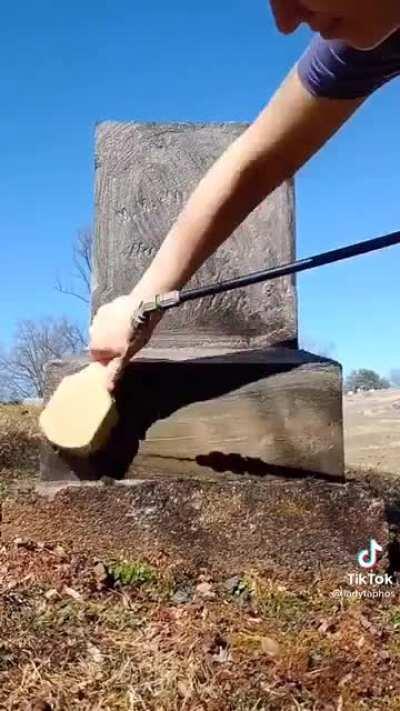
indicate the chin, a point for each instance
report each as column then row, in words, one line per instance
column 354, row 36
column 363, row 45
column 365, row 41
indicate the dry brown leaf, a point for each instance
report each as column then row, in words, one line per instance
column 100, row 572
column 326, row 626
column 95, row 653
column 346, row 679
column 360, row 643
column 72, row 593
column 271, row 647
column 205, row 590
column 60, row 552
column 50, row 594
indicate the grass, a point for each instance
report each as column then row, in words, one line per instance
column 3, row 489
column 128, row 573
column 77, row 636
column 19, row 442
column 78, row 633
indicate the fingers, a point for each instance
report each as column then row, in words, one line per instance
column 288, row 14
column 115, row 338
column 102, row 356
column 116, row 366
column 113, row 373
column 107, row 338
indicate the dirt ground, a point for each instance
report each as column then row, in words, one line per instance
column 78, row 633
column 372, row 430
column 82, row 634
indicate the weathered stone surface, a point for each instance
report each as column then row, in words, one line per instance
column 144, row 175
column 225, row 415
column 228, row 526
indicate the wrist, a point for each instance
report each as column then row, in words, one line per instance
column 153, row 284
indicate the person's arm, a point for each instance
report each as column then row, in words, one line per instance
column 290, row 130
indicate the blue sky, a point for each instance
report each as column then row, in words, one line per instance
column 66, row 66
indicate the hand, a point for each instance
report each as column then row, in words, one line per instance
column 112, row 339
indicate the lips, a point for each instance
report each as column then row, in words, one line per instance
column 331, row 32
column 326, row 26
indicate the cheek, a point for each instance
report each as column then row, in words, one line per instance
column 333, row 8
column 364, row 35
column 321, row 6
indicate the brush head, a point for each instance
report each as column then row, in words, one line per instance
column 81, row 413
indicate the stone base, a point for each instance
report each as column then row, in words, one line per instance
column 224, row 415
column 228, row 526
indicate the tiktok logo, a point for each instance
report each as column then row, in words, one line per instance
column 367, row 558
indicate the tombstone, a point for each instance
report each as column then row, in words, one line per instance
column 221, row 391
column 144, row 176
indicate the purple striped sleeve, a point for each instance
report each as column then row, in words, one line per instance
column 332, row 69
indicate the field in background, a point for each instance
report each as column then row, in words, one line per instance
column 372, row 431
column 19, row 442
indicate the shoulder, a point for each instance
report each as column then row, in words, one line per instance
column 333, row 69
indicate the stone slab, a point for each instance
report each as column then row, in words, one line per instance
column 144, row 175
column 229, row 526
column 228, row 414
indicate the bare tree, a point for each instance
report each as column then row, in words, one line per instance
column 22, row 367
column 6, row 390
column 82, row 259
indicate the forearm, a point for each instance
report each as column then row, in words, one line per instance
column 222, row 200
column 286, row 134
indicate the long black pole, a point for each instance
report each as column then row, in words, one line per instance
column 302, row 265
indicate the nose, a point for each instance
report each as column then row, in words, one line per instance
column 288, row 14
